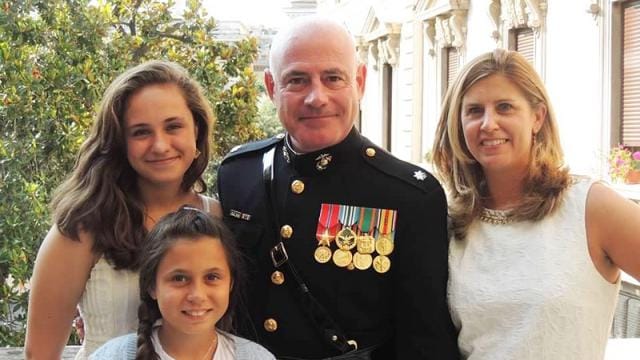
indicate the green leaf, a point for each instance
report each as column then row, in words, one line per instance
column 78, row 47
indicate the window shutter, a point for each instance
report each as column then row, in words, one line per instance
column 524, row 43
column 631, row 74
column 453, row 64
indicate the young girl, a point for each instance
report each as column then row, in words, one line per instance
column 190, row 281
column 144, row 158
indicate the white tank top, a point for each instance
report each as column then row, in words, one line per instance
column 109, row 306
column 529, row 290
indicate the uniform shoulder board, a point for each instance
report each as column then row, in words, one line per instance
column 253, row 146
column 399, row 169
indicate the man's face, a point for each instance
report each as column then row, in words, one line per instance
column 316, row 87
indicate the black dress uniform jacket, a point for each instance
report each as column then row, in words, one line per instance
column 405, row 308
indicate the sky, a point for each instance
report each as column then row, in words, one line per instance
column 251, row 12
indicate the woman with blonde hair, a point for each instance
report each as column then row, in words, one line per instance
column 144, row 158
column 536, row 254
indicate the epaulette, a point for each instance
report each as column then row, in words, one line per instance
column 253, row 146
column 399, row 169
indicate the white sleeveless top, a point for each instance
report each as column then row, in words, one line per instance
column 109, row 304
column 529, row 290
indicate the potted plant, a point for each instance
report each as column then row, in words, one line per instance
column 624, row 165
column 633, row 177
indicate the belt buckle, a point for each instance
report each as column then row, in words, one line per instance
column 279, row 254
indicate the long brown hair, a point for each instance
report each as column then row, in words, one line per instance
column 100, row 196
column 547, row 176
column 185, row 224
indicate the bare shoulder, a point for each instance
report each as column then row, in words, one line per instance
column 60, row 252
column 59, row 243
column 604, row 204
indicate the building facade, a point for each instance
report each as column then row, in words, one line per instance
column 586, row 51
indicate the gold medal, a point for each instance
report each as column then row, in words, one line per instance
column 362, row 261
column 386, row 226
column 366, row 244
column 342, row 258
column 322, row 254
column 384, row 245
column 346, row 239
column 381, row 264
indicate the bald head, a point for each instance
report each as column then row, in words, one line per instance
column 307, row 31
column 315, row 82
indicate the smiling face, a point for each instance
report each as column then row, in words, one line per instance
column 315, row 84
column 160, row 134
column 192, row 288
column 498, row 125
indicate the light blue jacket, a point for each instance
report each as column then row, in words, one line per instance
column 124, row 348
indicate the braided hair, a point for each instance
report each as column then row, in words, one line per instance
column 187, row 223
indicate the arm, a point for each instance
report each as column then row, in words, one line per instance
column 60, row 273
column 424, row 329
column 613, row 232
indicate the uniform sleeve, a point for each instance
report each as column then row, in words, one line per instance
column 424, row 329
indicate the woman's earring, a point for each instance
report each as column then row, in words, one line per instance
column 198, row 152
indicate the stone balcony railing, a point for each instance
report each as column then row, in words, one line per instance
column 17, row 353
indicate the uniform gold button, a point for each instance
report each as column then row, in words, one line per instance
column 297, row 186
column 371, row 152
column 277, row 277
column 271, row 325
column 286, row 231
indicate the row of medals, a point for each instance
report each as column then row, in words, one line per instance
column 365, row 245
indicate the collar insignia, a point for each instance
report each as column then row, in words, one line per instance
column 285, row 153
column 323, row 161
column 420, row 175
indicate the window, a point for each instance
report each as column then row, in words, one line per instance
column 630, row 107
column 453, row 66
column 522, row 41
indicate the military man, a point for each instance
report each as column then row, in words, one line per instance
column 348, row 244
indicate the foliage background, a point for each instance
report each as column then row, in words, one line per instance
column 56, row 59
